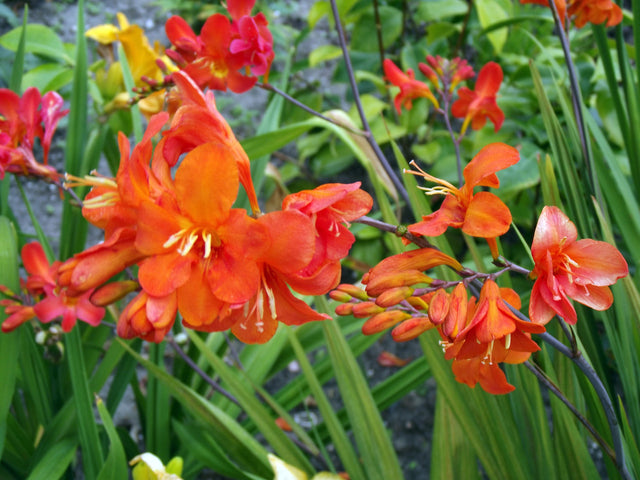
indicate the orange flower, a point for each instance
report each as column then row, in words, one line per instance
column 410, row 88
column 480, row 215
column 477, row 105
column 569, row 268
column 256, row 320
column 595, row 11
column 207, row 250
column 198, row 121
column 330, row 207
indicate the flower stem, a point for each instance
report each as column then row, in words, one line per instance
column 553, row 388
column 201, row 372
column 363, row 118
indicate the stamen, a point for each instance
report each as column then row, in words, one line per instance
column 175, row 238
column 105, row 200
column 507, row 341
column 207, row 244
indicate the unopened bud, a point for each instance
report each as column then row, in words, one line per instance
column 382, row 321
column 161, row 64
column 418, row 303
column 112, row 292
column 366, row 309
column 149, row 81
column 339, row 296
column 412, row 328
column 352, row 290
column 344, row 309
column 394, row 296
column 439, row 306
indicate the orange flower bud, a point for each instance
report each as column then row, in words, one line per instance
column 345, row 309
column 366, row 309
column 394, row 296
column 352, row 290
column 384, row 320
column 112, row 292
column 456, row 318
column 412, row 328
column 418, row 303
column 339, row 296
column 439, row 306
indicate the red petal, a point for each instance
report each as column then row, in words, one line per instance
column 553, row 231
column 491, row 159
column 598, row 263
column 489, row 80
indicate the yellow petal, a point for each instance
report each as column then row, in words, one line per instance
column 104, row 34
column 122, row 20
column 284, row 471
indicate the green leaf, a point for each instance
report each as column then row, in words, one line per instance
column 324, row 53
column 49, row 76
column 274, row 436
column 8, row 341
column 40, row 40
column 429, row 11
column 55, row 462
column 238, row 443
column 375, row 448
column 490, row 12
column 115, row 466
column 365, row 32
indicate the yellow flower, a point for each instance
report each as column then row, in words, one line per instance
column 284, row 471
column 150, row 467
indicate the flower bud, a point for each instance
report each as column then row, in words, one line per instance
column 412, row 328
column 439, row 306
column 366, row 309
column 112, row 292
column 339, row 296
column 394, row 296
column 345, row 309
column 384, row 320
column 352, row 290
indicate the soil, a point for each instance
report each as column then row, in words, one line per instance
column 410, row 420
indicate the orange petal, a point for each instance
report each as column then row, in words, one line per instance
column 487, row 216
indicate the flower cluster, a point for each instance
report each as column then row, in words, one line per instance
column 227, row 53
column 585, row 11
column 480, row 332
column 22, row 120
column 44, row 297
column 170, row 210
column 474, row 106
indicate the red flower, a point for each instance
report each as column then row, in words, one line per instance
column 21, row 122
column 58, row 301
column 477, row 105
column 569, row 268
column 450, row 72
column 206, row 58
column 410, row 88
column 482, row 214
column 215, row 58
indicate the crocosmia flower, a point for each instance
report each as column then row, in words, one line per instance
column 330, row 207
column 45, row 298
column 410, row 88
column 448, row 72
column 22, row 120
column 569, row 268
column 475, row 106
column 480, row 215
column 227, row 53
column 595, row 11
